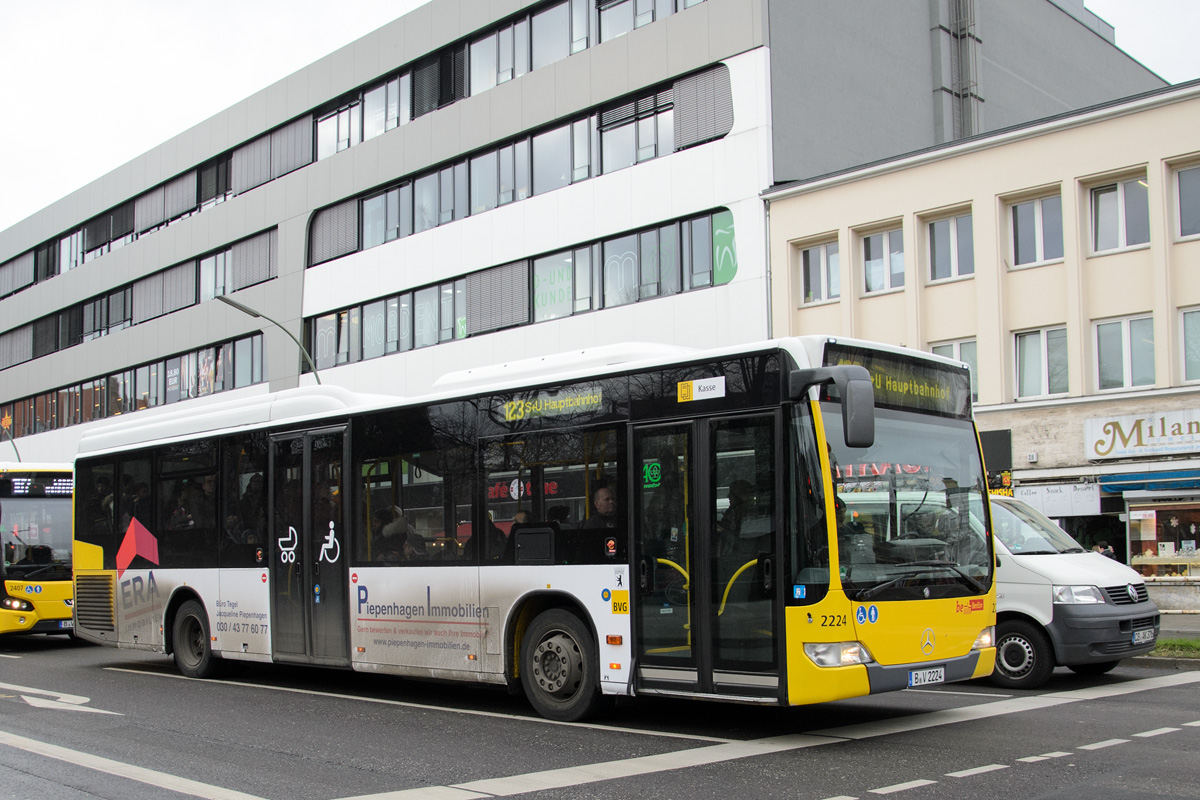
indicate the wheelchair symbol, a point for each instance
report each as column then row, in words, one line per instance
column 330, row 544
column 287, row 546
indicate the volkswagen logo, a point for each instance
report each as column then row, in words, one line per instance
column 1133, row 598
column 928, row 641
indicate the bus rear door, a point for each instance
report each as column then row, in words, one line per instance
column 309, row 546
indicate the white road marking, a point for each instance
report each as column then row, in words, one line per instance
column 121, row 770
column 1104, row 744
column 1155, row 732
column 609, row 770
column 842, row 797
column 6, row 655
column 65, row 698
column 901, row 787
column 967, row 773
column 426, row 707
column 960, row 694
column 1043, row 757
column 40, row 702
column 1195, row 724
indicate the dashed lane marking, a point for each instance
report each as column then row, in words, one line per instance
column 903, row 787
column 1043, row 757
column 967, row 773
column 1156, row 732
column 1104, row 744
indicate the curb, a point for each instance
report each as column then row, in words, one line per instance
column 1158, row 662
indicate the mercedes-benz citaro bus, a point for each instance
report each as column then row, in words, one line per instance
column 35, row 532
column 628, row 520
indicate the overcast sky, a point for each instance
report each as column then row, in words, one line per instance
column 86, row 86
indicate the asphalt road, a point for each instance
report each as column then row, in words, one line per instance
column 78, row 721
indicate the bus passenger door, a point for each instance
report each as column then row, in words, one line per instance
column 706, row 533
column 309, row 603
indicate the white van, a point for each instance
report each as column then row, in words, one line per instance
column 1058, row 604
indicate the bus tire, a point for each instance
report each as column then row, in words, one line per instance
column 559, row 671
column 1024, row 657
column 193, row 642
column 1095, row 668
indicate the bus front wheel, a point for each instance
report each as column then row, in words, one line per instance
column 192, row 642
column 558, row 667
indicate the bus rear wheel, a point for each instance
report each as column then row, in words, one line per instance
column 558, row 667
column 193, row 643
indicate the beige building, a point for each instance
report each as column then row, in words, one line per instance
column 1061, row 260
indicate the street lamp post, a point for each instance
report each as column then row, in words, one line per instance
column 257, row 314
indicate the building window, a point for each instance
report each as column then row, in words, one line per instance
column 637, row 131
column 387, row 106
column 1037, row 230
column 1189, row 201
column 819, row 273
column 551, row 35
column 963, row 350
column 215, row 275
column 1120, row 215
column 1191, row 345
column 951, row 248
column 339, row 130
column 1125, row 353
column 1042, row 362
column 883, row 261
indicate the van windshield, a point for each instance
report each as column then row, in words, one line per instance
column 1026, row 531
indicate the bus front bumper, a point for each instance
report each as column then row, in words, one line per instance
column 893, row 677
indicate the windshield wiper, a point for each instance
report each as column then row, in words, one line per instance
column 867, row 594
column 1042, row 552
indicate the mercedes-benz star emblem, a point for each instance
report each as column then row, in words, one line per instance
column 928, row 641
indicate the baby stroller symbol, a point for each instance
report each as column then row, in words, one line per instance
column 287, row 546
column 330, row 544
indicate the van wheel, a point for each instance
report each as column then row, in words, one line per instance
column 193, row 643
column 1024, row 657
column 558, row 667
column 1094, row 669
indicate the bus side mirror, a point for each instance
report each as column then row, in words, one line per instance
column 857, row 394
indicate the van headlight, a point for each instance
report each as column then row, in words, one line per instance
column 837, row 654
column 985, row 639
column 1076, row 595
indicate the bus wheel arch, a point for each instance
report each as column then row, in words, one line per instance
column 191, row 639
column 555, row 657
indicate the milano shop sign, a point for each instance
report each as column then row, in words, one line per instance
column 1132, row 436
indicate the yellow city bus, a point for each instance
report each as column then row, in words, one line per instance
column 653, row 522
column 35, row 532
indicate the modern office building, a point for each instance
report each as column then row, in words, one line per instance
column 1061, row 259
column 484, row 182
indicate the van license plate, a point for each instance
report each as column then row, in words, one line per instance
column 924, row 677
column 1143, row 637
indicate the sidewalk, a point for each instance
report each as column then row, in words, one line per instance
column 1178, row 626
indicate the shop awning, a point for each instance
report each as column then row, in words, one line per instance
column 1137, row 481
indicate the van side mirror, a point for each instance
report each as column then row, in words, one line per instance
column 857, row 394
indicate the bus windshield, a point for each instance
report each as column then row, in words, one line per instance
column 35, row 527
column 911, row 509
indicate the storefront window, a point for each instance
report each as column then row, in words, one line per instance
column 1162, row 539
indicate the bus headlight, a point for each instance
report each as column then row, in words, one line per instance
column 986, row 638
column 837, row 654
column 13, row 604
column 1073, row 595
